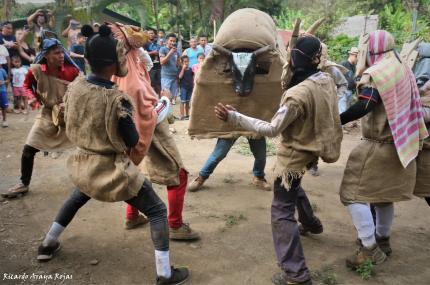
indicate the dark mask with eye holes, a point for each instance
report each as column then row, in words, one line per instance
column 243, row 67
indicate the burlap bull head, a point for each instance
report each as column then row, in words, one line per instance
column 243, row 67
column 243, row 70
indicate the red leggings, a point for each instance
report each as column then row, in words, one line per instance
column 175, row 195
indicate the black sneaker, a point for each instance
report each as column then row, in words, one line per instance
column 45, row 253
column 179, row 276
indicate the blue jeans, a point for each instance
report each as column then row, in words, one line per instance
column 171, row 84
column 345, row 101
column 223, row 146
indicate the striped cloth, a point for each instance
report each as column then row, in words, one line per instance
column 400, row 96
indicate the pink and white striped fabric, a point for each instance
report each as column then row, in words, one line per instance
column 400, row 95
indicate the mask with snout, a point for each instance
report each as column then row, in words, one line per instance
column 243, row 68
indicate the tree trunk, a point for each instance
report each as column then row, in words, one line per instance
column 155, row 11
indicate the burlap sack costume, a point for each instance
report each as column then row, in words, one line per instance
column 374, row 172
column 245, row 28
column 44, row 134
column 422, row 186
column 316, row 133
column 100, row 166
column 163, row 161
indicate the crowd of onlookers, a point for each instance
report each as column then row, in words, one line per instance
column 169, row 66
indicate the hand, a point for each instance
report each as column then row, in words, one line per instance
column 173, row 50
column 184, row 66
column 221, row 111
column 39, row 11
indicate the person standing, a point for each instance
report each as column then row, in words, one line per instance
column 309, row 125
column 153, row 49
column 77, row 51
column 203, row 44
column 393, row 127
column 71, row 33
column 186, row 82
column 350, row 63
column 39, row 21
column 26, row 52
column 4, row 101
column 161, row 37
column 47, row 80
column 169, row 60
column 8, row 39
column 192, row 52
column 18, row 76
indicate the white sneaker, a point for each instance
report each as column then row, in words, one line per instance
column 4, row 124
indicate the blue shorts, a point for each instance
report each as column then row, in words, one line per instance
column 4, row 102
column 171, row 84
column 186, row 95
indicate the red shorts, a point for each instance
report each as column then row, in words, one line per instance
column 19, row 92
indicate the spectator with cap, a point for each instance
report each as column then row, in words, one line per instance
column 39, row 21
column 350, row 63
column 96, row 27
column 161, row 39
column 203, row 44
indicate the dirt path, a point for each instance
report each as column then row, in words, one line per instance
column 233, row 217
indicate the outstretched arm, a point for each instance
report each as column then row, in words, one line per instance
column 368, row 99
column 283, row 117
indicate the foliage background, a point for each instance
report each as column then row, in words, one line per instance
column 193, row 17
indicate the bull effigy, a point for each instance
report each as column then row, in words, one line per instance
column 244, row 70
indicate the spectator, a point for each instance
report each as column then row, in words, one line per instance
column 77, row 52
column 196, row 67
column 187, row 83
column 192, row 52
column 4, row 102
column 161, row 40
column 203, row 40
column 4, row 57
column 18, row 76
column 26, row 52
column 153, row 49
column 39, row 21
column 96, row 27
column 71, row 33
column 350, row 63
column 169, row 60
column 9, row 41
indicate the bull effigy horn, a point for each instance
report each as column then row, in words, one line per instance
column 261, row 50
column 312, row 29
column 295, row 35
column 221, row 50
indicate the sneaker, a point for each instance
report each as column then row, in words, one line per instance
column 16, row 111
column 16, row 191
column 135, row 223
column 374, row 254
column 179, row 276
column 184, row 232
column 197, row 184
column 280, row 279
column 4, row 124
column 314, row 171
column 261, row 183
column 318, row 229
column 46, row 253
column 384, row 244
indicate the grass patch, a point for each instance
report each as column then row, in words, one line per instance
column 365, row 270
column 314, row 207
column 326, row 275
column 231, row 220
column 242, row 147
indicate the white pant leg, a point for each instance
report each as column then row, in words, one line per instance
column 363, row 222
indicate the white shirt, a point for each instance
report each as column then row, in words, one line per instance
column 3, row 54
column 206, row 50
column 18, row 76
column 146, row 58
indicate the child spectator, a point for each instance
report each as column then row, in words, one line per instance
column 200, row 59
column 186, row 83
column 4, row 103
column 18, row 76
column 77, row 51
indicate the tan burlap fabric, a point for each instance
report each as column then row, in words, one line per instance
column 422, row 186
column 316, row 133
column 373, row 171
column 245, row 28
column 163, row 161
column 44, row 135
column 100, row 166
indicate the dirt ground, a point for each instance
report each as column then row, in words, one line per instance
column 232, row 216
